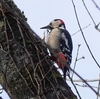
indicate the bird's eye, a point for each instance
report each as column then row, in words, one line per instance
column 60, row 25
column 50, row 24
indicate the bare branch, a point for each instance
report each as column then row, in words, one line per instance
column 85, row 85
column 76, row 58
column 88, row 12
column 82, row 29
column 79, row 80
column 75, row 87
column 96, row 5
column 98, row 86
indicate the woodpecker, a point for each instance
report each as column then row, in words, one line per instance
column 60, row 44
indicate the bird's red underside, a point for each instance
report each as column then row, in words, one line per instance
column 60, row 60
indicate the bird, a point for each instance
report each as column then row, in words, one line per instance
column 60, row 45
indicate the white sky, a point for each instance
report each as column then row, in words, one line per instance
column 41, row 12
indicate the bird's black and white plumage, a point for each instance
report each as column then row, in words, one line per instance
column 60, row 44
column 66, row 45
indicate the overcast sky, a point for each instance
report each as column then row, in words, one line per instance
column 41, row 12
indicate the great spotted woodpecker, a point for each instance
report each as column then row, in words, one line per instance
column 60, row 44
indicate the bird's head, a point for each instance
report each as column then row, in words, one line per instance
column 56, row 23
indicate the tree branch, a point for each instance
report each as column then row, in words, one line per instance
column 96, row 5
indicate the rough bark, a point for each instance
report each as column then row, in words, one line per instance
column 26, row 71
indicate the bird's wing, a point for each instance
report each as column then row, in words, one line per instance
column 66, row 45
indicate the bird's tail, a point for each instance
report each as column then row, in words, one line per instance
column 66, row 71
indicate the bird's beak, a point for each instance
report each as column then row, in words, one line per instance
column 46, row 27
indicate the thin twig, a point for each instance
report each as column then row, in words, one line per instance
column 84, row 85
column 89, row 12
column 96, row 5
column 76, row 59
column 98, row 87
column 81, row 58
column 74, row 87
column 87, row 80
column 80, row 30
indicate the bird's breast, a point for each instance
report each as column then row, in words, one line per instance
column 54, row 40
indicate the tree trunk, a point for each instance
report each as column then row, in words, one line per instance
column 26, row 71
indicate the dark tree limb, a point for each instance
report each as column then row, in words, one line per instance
column 26, row 71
